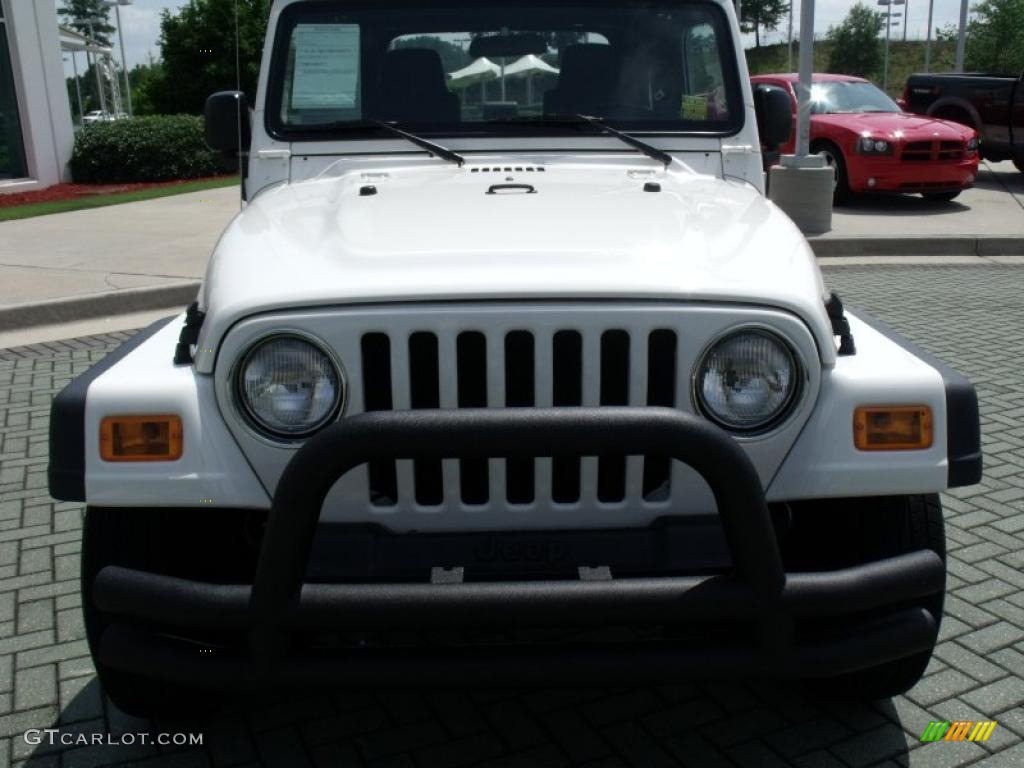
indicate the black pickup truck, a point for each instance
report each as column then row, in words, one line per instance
column 991, row 104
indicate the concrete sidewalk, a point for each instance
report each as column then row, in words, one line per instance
column 109, row 260
column 985, row 221
column 141, row 256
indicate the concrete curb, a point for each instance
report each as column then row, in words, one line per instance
column 951, row 245
column 120, row 302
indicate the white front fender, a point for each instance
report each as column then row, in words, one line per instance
column 211, row 471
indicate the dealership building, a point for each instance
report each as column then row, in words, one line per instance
column 36, row 134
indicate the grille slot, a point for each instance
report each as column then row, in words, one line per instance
column 376, row 354
column 917, row 151
column 611, row 470
column 424, row 392
column 950, row 150
column 661, row 378
column 519, row 392
column 923, row 151
column 471, row 352
column 566, row 368
column 520, row 368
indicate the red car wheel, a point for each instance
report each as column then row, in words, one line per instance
column 835, row 160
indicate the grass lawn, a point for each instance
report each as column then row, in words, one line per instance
column 82, row 202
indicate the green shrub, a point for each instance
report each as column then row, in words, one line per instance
column 156, row 148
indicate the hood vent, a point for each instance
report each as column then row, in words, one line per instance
column 507, row 169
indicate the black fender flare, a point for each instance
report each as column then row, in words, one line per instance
column 957, row 102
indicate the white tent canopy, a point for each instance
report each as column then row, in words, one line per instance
column 530, row 65
column 479, row 71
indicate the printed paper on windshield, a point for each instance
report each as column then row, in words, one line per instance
column 326, row 66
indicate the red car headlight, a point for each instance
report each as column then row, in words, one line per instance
column 972, row 145
column 869, row 146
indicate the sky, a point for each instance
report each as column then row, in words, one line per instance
column 831, row 12
column 142, row 22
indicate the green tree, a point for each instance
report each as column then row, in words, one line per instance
column 146, row 79
column 995, row 37
column 75, row 12
column 197, row 46
column 856, row 47
column 758, row 14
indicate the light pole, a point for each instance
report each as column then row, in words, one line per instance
column 888, row 15
column 803, row 118
column 96, row 65
column 802, row 184
column 961, row 37
column 906, row 13
column 124, row 61
column 789, row 39
column 928, row 37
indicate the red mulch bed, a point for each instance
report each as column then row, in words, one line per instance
column 73, row 191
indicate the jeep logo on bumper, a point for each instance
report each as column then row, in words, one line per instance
column 490, row 550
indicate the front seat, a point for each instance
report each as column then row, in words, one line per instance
column 413, row 89
column 588, row 82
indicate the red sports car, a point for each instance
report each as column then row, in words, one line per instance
column 875, row 146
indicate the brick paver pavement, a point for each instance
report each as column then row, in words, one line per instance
column 970, row 316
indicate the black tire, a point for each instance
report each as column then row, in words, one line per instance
column 871, row 529
column 834, row 157
column 149, row 539
column 941, row 197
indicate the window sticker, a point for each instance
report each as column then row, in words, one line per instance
column 326, row 66
column 694, row 107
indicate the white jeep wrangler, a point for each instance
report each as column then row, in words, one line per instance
column 509, row 373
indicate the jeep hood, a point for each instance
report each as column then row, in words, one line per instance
column 447, row 233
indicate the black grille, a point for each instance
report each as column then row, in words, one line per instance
column 518, row 381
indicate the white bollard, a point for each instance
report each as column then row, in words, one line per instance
column 802, row 187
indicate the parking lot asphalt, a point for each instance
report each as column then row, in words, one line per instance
column 969, row 316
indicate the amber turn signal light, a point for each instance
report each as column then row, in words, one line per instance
column 892, row 428
column 140, row 438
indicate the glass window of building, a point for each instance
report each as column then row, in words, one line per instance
column 12, row 148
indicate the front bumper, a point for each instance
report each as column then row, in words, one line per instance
column 155, row 618
column 892, row 175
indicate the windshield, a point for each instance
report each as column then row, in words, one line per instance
column 830, row 98
column 477, row 70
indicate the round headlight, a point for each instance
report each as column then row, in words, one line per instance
column 289, row 387
column 746, row 381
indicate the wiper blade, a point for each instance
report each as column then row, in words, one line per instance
column 652, row 152
column 596, row 122
column 434, row 149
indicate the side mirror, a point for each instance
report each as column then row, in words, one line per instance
column 227, row 123
column 774, row 115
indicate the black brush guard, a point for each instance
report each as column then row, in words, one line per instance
column 874, row 596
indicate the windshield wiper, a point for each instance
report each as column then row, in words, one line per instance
column 651, row 151
column 430, row 146
column 434, row 149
